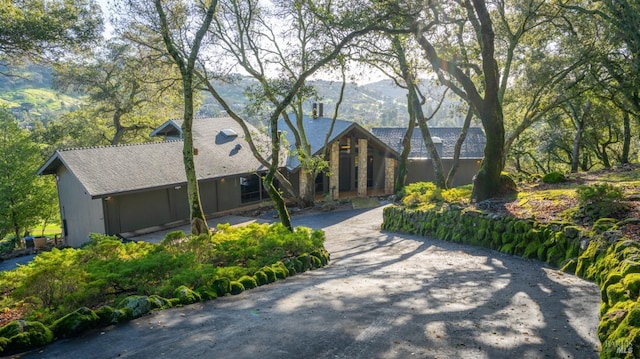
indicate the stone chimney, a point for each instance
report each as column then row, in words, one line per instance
column 318, row 110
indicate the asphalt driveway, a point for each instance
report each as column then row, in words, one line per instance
column 384, row 295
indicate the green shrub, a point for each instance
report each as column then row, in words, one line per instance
column 460, row 194
column 418, row 188
column 171, row 237
column 126, row 280
column 553, row 177
column 9, row 244
column 601, row 200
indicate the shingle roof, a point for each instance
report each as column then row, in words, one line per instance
column 473, row 146
column 110, row 170
column 316, row 130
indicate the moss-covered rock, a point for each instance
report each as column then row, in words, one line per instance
column 570, row 266
column 248, row 282
column 624, row 341
column 186, row 295
column 21, row 335
column 236, row 287
column 271, row 275
column 206, row 292
column 631, row 283
column 604, row 224
column 135, row 306
column 305, row 262
column 222, row 286
column 75, row 322
column 280, row 270
column 158, row 302
column 109, row 315
column 261, row 277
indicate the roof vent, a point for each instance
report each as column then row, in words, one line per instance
column 229, row 132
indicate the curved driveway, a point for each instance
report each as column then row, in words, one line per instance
column 384, row 295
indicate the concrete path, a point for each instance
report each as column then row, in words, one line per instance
column 384, row 295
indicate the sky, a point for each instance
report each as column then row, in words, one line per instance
column 364, row 77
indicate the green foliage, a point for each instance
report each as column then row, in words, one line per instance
column 127, row 280
column 600, row 200
column 39, row 27
column 554, row 177
column 425, row 195
column 26, row 197
column 460, row 194
column 10, row 243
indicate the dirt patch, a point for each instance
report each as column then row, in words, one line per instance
column 553, row 202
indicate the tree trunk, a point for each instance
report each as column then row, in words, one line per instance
column 626, row 144
column 487, row 183
column 272, row 190
column 575, row 153
column 403, row 161
column 577, row 140
column 458, row 148
column 198, row 220
column 415, row 111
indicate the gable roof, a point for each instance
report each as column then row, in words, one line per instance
column 316, row 130
column 472, row 148
column 110, row 170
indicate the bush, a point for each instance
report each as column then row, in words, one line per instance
column 601, row 200
column 125, row 280
column 554, row 177
column 9, row 244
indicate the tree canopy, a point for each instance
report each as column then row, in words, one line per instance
column 36, row 29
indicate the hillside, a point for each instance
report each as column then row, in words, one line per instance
column 380, row 103
column 31, row 97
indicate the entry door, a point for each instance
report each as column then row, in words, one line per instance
column 345, row 174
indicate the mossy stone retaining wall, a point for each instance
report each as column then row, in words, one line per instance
column 602, row 255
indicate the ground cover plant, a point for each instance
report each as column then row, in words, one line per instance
column 587, row 224
column 63, row 292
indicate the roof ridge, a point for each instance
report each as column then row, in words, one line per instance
column 115, row 146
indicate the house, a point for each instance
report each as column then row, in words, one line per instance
column 419, row 162
column 134, row 189
column 348, row 148
column 131, row 189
